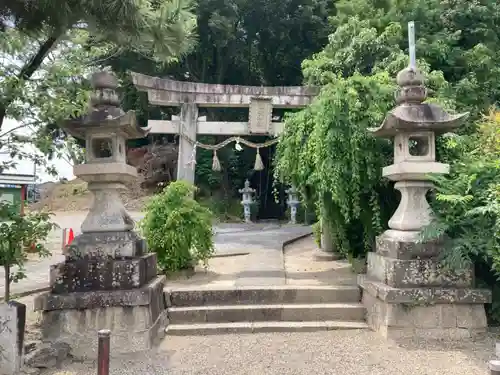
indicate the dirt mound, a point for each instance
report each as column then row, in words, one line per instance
column 74, row 196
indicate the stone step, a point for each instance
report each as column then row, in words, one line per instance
column 288, row 294
column 256, row 327
column 260, row 313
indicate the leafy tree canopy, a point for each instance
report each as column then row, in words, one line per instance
column 48, row 49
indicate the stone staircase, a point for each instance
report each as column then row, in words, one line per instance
column 263, row 309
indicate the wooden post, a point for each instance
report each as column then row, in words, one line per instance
column 103, row 346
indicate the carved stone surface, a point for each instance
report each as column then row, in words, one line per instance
column 103, row 298
column 413, row 212
column 406, row 320
column 137, row 318
column 260, row 115
column 424, row 295
column 406, row 245
column 107, row 212
column 12, row 325
column 105, row 244
column 416, row 272
column 84, row 275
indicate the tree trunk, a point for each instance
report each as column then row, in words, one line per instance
column 7, row 283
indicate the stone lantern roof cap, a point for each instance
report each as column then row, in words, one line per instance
column 105, row 113
column 412, row 114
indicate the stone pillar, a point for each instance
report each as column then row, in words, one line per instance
column 187, row 141
column 326, row 238
column 12, row 326
column 108, row 279
column 406, row 291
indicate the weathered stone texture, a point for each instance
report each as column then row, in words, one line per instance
column 416, row 272
column 48, row 355
column 12, row 325
column 134, row 327
column 106, row 244
column 79, row 300
column 406, row 245
column 169, row 92
column 440, row 321
column 424, row 295
column 102, row 274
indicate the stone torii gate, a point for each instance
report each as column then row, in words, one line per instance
column 191, row 95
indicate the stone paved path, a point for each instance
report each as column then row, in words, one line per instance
column 263, row 242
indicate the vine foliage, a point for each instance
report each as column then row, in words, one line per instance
column 177, row 228
column 328, row 149
column 466, row 206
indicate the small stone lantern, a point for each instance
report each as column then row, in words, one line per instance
column 247, row 201
column 293, row 203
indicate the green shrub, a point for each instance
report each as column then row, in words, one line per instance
column 177, row 228
column 466, row 204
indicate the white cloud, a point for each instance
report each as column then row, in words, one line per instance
column 63, row 167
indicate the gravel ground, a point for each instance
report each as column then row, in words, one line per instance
column 318, row 353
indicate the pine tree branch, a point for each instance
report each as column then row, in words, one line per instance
column 29, row 69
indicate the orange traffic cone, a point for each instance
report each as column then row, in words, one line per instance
column 71, row 236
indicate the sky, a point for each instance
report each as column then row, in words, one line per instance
column 63, row 167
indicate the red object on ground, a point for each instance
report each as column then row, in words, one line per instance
column 71, row 236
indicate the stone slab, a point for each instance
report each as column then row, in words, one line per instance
column 85, row 275
column 134, row 327
column 416, row 272
column 262, row 313
column 406, row 245
column 197, row 296
column 258, row 327
column 12, row 325
column 100, row 299
column 423, row 295
column 106, row 244
column 425, row 322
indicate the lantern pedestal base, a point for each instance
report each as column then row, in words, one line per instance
column 137, row 318
column 407, row 294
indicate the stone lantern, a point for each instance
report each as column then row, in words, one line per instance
column 247, row 201
column 107, row 271
column 293, row 203
column 406, row 291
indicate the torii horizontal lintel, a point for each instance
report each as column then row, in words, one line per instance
column 211, row 127
column 168, row 92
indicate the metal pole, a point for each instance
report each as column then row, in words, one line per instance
column 494, row 366
column 411, row 42
column 103, row 345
